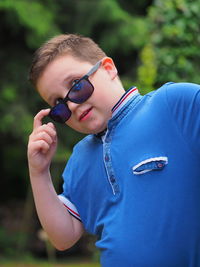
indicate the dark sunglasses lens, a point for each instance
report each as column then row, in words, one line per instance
column 81, row 91
column 60, row 113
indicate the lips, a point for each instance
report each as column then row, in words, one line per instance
column 84, row 114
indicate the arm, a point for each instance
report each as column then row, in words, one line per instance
column 63, row 229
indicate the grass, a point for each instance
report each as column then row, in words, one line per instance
column 21, row 264
column 36, row 263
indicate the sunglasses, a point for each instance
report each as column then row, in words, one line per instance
column 78, row 93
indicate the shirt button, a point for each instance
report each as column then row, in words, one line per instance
column 160, row 165
column 107, row 157
column 112, row 179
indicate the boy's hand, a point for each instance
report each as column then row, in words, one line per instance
column 42, row 144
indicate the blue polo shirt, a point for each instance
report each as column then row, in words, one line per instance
column 138, row 188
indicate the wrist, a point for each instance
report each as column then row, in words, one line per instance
column 34, row 173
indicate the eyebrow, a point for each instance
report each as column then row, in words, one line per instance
column 70, row 77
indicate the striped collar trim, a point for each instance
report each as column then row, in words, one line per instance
column 120, row 104
column 123, row 100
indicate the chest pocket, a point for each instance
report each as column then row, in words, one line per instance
column 151, row 164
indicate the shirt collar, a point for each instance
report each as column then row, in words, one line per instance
column 123, row 100
column 119, row 105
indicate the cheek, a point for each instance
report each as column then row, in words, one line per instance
column 99, row 98
column 75, row 125
column 70, row 123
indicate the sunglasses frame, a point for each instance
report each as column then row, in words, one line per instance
column 67, row 97
column 85, row 77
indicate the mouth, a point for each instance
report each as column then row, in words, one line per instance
column 85, row 114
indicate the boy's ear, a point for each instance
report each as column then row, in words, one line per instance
column 109, row 66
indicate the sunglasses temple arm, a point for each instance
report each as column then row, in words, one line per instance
column 95, row 68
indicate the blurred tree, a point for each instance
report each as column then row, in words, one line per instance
column 23, row 25
column 147, row 72
column 175, row 28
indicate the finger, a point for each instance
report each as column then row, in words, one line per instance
column 53, row 130
column 45, row 137
column 42, row 146
column 38, row 145
column 46, row 128
column 50, row 124
column 38, row 118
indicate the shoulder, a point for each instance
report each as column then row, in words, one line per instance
column 176, row 93
column 176, row 90
column 182, row 95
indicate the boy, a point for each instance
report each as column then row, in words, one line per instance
column 134, row 179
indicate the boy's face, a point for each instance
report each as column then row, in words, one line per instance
column 92, row 115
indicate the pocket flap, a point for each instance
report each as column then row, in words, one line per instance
column 151, row 164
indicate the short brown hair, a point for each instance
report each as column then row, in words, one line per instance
column 83, row 48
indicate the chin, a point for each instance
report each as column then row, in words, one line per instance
column 94, row 130
column 98, row 130
column 94, row 127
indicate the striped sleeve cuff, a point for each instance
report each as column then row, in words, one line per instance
column 70, row 207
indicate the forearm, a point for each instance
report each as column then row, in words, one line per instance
column 63, row 230
column 59, row 225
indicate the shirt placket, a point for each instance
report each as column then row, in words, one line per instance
column 130, row 98
column 108, row 163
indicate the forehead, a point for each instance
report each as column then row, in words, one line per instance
column 58, row 72
column 62, row 69
column 67, row 63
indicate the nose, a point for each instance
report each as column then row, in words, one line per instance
column 72, row 106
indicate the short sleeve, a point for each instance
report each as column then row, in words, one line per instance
column 70, row 206
column 184, row 103
column 65, row 196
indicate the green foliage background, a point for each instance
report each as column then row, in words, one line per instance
column 151, row 42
